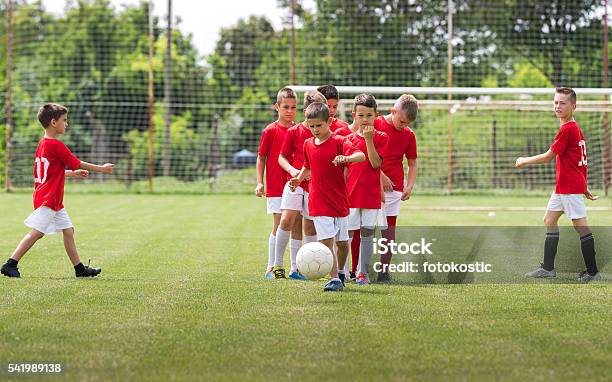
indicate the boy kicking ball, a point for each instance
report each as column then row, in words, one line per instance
column 49, row 216
column 324, row 155
column 569, row 149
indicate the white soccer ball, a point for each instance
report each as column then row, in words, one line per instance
column 314, row 260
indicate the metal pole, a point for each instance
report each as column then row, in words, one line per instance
column 167, row 94
column 292, row 58
column 606, row 121
column 449, row 70
column 150, row 100
column 9, row 97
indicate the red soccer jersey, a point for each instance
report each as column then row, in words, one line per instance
column 337, row 124
column 401, row 143
column 363, row 180
column 272, row 139
column 344, row 131
column 293, row 147
column 328, row 195
column 570, row 147
column 52, row 158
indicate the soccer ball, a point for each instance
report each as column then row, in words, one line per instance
column 314, row 260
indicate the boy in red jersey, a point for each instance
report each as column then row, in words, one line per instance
column 295, row 201
column 569, row 148
column 324, row 155
column 331, row 95
column 270, row 145
column 49, row 216
column 402, row 143
column 363, row 182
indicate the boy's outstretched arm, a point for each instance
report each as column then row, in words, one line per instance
column 536, row 159
column 260, row 166
column 81, row 174
column 106, row 168
column 355, row 157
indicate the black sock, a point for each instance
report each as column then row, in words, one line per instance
column 79, row 267
column 550, row 250
column 12, row 263
column 587, row 244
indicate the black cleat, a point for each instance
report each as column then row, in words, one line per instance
column 384, row 277
column 9, row 271
column 88, row 272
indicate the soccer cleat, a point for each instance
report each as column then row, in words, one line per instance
column 384, row 277
column 269, row 275
column 279, row 273
column 88, row 272
column 362, row 279
column 333, row 285
column 352, row 276
column 342, row 278
column 586, row 277
column 9, row 271
column 542, row 273
column 296, row 275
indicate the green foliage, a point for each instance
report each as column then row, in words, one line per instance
column 184, row 144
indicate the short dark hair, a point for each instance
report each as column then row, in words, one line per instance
column 49, row 112
column 285, row 93
column 317, row 110
column 313, row 96
column 567, row 91
column 408, row 104
column 328, row 91
column 366, row 100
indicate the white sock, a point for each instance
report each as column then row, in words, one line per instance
column 294, row 247
column 271, row 250
column 282, row 238
column 309, row 238
column 365, row 253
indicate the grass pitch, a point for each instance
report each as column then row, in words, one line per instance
column 182, row 297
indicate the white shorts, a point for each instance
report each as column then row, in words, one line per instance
column 368, row 218
column 328, row 227
column 295, row 200
column 273, row 204
column 571, row 204
column 47, row 221
column 391, row 207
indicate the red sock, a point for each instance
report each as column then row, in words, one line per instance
column 355, row 244
column 388, row 234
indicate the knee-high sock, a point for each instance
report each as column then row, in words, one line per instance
column 550, row 250
column 355, row 243
column 271, row 250
column 282, row 238
column 388, row 234
column 294, row 247
column 587, row 244
column 365, row 253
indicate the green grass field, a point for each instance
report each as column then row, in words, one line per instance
column 182, row 297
